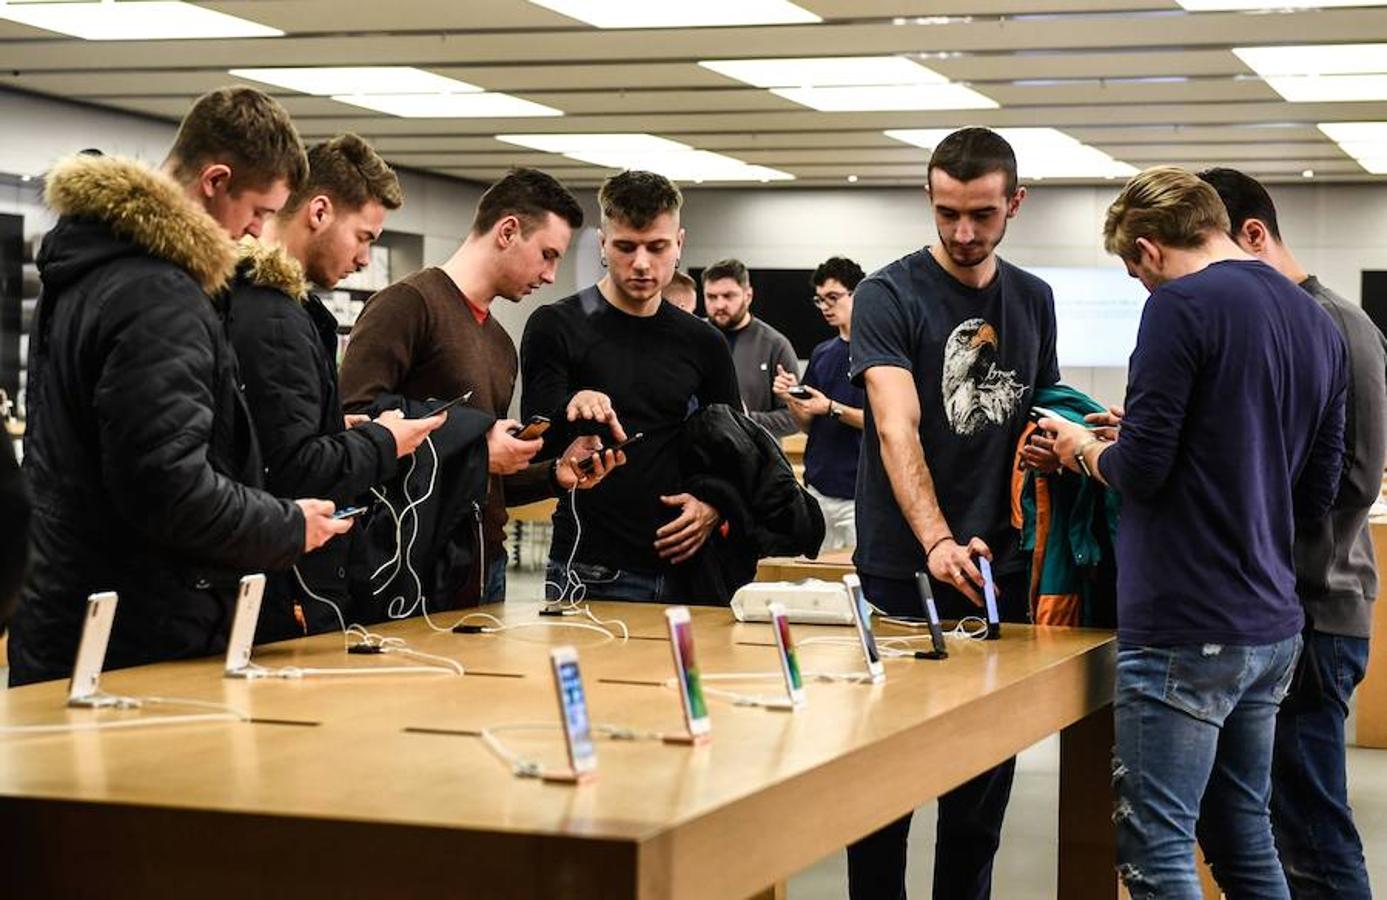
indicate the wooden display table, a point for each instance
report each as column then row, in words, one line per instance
column 539, row 511
column 1371, row 696
column 830, row 566
column 332, row 792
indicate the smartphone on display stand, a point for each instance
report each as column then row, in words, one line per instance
column 238, row 648
column 861, row 618
column 686, row 674
column 989, row 593
column 789, row 660
column 534, row 427
column 85, row 687
column 936, row 634
column 573, row 708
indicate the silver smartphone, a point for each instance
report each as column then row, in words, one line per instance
column 243, row 622
column 861, row 618
column 686, row 672
column 91, row 649
column 789, row 660
column 573, row 707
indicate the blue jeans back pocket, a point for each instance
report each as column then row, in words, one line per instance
column 1205, row 680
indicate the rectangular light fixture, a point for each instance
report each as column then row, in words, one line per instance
column 1040, row 152
column 853, row 83
column 134, row 20
column 1232, row 5
column 672, row 159
column 1366, row 142
column 1321, row 73
column 325, row 81
column 484, row 105
column 829, row 71
column 887, row 98
column 669, row 14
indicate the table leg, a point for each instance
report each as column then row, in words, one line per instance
column 1087, row 840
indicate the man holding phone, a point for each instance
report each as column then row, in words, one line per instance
column 286, row 343
column 433, row 335
column 951, row 343
column 594, row 349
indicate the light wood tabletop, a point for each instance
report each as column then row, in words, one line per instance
column 375, row 786
column 830, row 565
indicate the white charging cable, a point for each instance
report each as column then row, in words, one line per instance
column 220, row 712
column 523, row 767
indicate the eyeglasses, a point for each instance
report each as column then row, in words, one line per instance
column 829, row 299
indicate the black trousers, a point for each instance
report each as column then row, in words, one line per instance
column 969, row 828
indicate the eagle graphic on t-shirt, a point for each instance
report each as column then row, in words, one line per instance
column 977, row 392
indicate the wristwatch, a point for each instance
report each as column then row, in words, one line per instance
column 834, row 410
column 1079, row 455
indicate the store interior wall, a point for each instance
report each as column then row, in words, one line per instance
column 1337, row 230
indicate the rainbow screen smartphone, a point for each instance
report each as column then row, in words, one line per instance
column 238, row 646
column 91, row 649
column 681, row 642
column 789, row 661
column 861, row 618
column 573, row 707
column 989, row 592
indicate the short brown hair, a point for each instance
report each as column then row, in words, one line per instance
column 728, row 268
column 638, row 198
column 971, row 153
column 349, row 173
column 245, row 129
column 1166, row 204
column 529, row 195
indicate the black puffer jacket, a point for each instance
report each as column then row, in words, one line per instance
column 738, row 466
column 14, row 527
column 141, row 456
column 286, row 341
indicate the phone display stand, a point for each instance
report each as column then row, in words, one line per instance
column 936, row 632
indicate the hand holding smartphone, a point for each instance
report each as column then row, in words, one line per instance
column 585, row 466
column 534, row 427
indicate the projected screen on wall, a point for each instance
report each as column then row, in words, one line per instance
column 1097, row 311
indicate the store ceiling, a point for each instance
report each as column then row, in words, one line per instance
column 1142, row 80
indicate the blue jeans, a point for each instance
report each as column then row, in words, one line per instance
column 495, row 580
column 1195, row 726
column 606, row 583
column 968, row 829
column 1310, row 816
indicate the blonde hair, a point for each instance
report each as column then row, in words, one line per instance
column 1165, row 204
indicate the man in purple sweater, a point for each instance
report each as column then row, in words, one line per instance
column 1234, row 429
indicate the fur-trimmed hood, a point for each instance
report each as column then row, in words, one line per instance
column 271, row 267
column 138, row 206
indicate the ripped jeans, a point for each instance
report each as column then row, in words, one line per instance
column 1195, row 729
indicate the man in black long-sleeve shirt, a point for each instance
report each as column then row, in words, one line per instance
column 1234, row 429
column 617, row 345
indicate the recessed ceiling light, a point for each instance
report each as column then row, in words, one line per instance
column 672, row 159
column 1330, row 88
column 325, row 81
column 887, row 98
column 1040, row 152
column 449, row 106
column 1318, row 73
column 852, row 179
column 1307, row 173
column 665, row 14
column 1366, row 142
column 825, row 71
column 134, row 20
column 1210, row 5
column 1314, row 59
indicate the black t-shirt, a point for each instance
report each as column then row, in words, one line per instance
column 656, row 370
column 977, row 357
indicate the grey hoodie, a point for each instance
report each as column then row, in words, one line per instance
column 1335, row 573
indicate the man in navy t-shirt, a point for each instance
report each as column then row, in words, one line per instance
column 951, row 343
column 830, row 409
column 1233, row 431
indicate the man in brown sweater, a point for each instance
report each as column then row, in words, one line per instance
column 433, row 335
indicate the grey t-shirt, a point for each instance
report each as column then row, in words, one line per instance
column 1336, row 577
column 757, row 349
